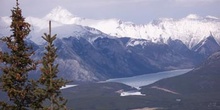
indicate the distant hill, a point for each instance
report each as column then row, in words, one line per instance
column 197, row 89
column 205, row 78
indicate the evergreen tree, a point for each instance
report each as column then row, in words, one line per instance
column 23, row 92
column 17, row 64
column 49, row 78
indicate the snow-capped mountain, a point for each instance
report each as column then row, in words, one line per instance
column 207, row 46
column 91, row 50
column 191, row 29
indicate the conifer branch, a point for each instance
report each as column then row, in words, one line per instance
column 49, row 74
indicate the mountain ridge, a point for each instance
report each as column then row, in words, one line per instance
column 193, row 26
column 86, row 53
column 190, row 30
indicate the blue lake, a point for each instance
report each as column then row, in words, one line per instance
column 143, row 80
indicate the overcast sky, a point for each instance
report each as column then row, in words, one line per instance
column 137, row 11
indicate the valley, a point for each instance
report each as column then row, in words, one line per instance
column 166, row 64
column 96, row 50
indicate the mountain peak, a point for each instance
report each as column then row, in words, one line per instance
column 59, row 14
column 193, row 16
column 211, row 38
column 207, row 46
column 60, row 11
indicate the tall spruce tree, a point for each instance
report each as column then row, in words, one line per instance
column 16, row 66
column 49, row 78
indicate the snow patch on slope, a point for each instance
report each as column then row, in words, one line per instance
column 131, row 93
column 165, row 90
column 67, row 86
